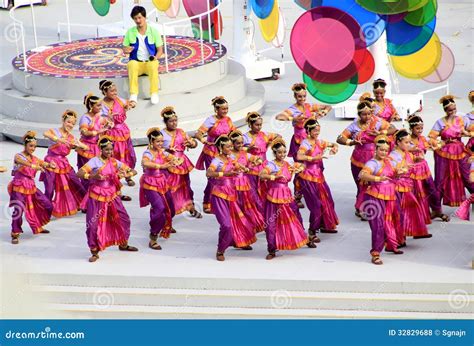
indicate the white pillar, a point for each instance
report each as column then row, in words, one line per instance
column 379, row 52
column 241, row 50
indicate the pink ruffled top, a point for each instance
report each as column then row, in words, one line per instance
column 104, row 190
column 365, row 152
column 24, row 176
column 421, row 170
column 90, row 124
column 152, row 178
column 214, row 128
column 259, row 143
column 453, row 150
column 57, row 153
column 312, row 171
column 404, row 182
column 223, row 187
column 385, row 189
column 277, row 190
column 120, row 132
column 176, row 140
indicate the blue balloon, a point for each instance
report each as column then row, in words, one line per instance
column 262, row 8
column 402, row 32
column 410, row 43
column 371, row 24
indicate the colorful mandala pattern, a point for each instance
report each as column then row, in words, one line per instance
column 103, row 57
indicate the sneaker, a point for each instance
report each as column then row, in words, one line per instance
column 133, row 98
column 155, row 98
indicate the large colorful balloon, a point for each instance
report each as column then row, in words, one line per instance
column 277, row 42
column 423, row 15
column 331, row 93
column 262, row 8
column 325, row 44
column 269, row 25
column 173, row 10
column 372, row 25
column 420, row 64
column 162, row 5
column 445, row 67
column 392, row 6
column 405, row 39
column 101, row 7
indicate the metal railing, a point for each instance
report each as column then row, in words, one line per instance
column 201, row 31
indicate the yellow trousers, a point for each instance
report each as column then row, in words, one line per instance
column 137, row 68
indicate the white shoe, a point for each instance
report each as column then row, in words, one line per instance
column 133, row 98
column 155, row 98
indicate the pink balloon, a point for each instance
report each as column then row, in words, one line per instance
column 173, row 11
column 329, row 48
column 445, row 67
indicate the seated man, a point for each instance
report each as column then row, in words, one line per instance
column 145, row 46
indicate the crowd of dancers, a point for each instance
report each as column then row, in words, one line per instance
column 247, row 191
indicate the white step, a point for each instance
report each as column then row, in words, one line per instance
column 260, row 299
column 14, row 129
column 205, row 283
column 176, row 312
column 189, row 101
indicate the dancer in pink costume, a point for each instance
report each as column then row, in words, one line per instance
column 235, row 229
column 62, row 186
column 115, row 109
column 318, row 197
column 155, row 187
column 24, row 195
column 298, row 113
column 463, row 212
column 176, row 142
column 91, row 125
column 411, row 211
column 257, row 142
column 361, row 134
column 384, row 108
column 284, row 225
column 247, row 197
column 214, row 126
column 381, row 200
column 451, row 158
column 424, row 189
column 107, row 221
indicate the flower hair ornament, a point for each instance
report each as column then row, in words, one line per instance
column 298, row 87
column 151, row 130
column 168, row 112
column 29, row 136
column 104, row 141
column 277, row 141
column 447, row 100
column 252, row 116
column 69, row 114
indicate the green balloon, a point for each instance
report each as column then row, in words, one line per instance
column 422, row 15
column 331, row 93
column 391, row 6
column 101, row 6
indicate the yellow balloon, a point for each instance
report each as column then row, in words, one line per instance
column 421, row 63
column 269, row 25
column 162, row 5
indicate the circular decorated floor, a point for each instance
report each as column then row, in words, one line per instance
column 104, row 58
